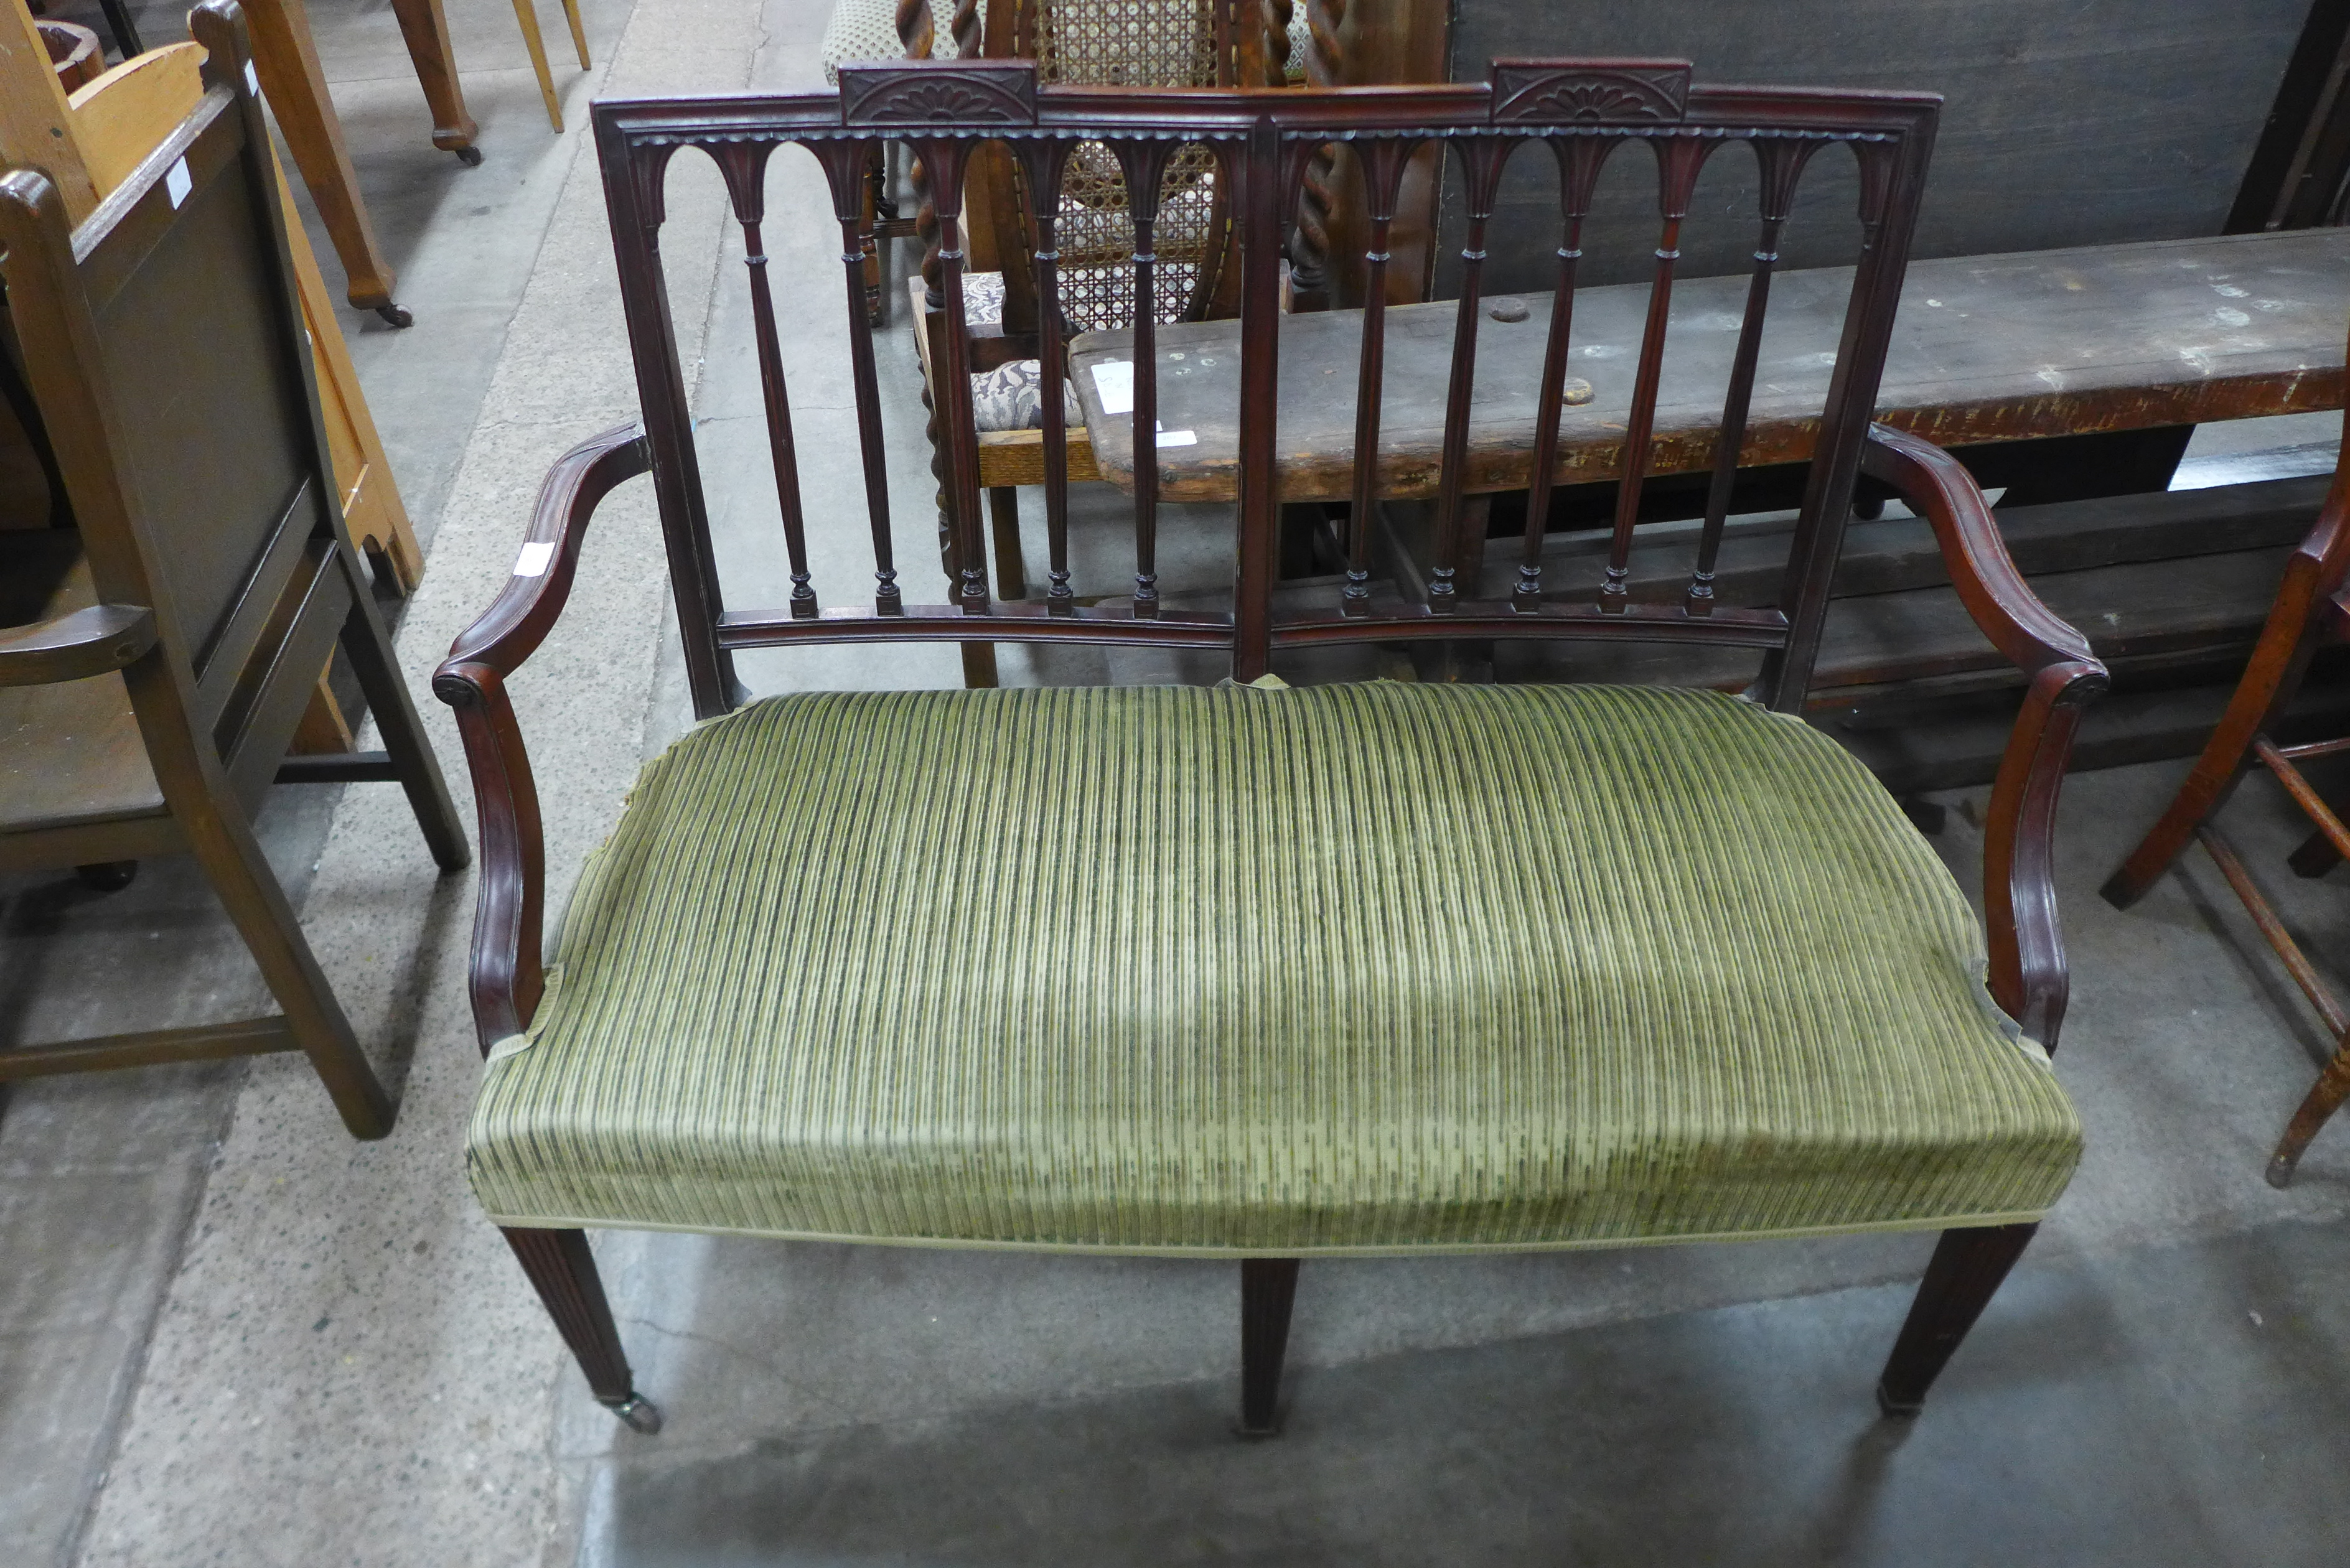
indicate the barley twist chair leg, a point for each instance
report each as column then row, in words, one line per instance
column 1966, row 1270
column 563, row 1269
column 1268, row 1288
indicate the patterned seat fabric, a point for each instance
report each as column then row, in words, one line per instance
column 1376, row 968
column 862, row 30
column 1012, row 396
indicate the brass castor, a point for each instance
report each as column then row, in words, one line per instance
column 639, row 1414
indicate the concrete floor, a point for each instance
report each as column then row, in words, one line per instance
column 228, row 1334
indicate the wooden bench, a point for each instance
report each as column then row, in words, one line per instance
column 1991, row 356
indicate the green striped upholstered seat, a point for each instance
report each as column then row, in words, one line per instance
column 1173, row 970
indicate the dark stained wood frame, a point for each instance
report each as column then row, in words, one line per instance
column 2310, row 612
column 1579, row 109
column 215, row 727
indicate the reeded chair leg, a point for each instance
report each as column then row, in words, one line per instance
column 1966, row 1270
column 1268, row 1288
column 563, row 1270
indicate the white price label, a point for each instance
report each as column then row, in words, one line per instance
column 534, row 559
column 1114, row 382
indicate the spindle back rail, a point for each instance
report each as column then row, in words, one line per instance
column 1580, row 112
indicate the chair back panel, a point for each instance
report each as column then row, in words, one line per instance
column 165, row 346
column 206, row 386
column 1569, row 116
column 1139, row 44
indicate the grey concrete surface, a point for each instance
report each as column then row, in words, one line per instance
column 341, row 1362
column 2167, row 1404
column 100, row 1177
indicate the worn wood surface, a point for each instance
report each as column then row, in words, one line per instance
column 1985, row 348
column 125, row 114
column 424, row 28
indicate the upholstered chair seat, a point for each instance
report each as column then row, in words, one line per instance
column 1372, row 968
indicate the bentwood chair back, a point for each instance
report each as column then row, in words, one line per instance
column 151, row 704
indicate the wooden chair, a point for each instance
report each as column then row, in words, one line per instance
column 1275, row 971
column 174, row 640
column 2310, row 613
column 90, row 143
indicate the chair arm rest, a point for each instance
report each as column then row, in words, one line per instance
column 507, row 976
column 1935, row 485
column 91, row 640
column 2028, row 978
column 525, row 611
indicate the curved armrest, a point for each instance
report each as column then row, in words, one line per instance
column 507, row 976
column 519, row 618
column 87, row 641
column 2027, row 943
column 1937, row 486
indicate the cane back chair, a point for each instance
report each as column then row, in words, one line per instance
column 2310, row 614
column 1274, row 971
column 1135, row 43
column 158, row 661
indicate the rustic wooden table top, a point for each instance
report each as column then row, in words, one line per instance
column 1994, row 347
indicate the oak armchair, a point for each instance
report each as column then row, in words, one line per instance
column 1278, row 972
column 160, row 655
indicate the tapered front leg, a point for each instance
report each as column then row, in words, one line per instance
column 1959, row 1282
column 563, row 1269
column 1268, row 1287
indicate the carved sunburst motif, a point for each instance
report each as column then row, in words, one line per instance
column 1562, row 96
column 982, row 94
column 1593, row 101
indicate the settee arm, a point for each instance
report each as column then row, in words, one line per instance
column 507, row 974
column 87, row 641
column 2027, row 975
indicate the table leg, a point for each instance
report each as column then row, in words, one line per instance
column 527, row 16
column 287, row 62
column 578, row 34
column 425, row 27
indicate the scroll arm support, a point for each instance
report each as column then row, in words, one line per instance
column 2027, row 946
column 507, row 973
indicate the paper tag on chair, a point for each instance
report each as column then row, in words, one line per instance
column 533, row 561
column 176, row 182
column 1114, row 382
column 251, row 80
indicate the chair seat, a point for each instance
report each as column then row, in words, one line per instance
column 70, row 754
column 1373, row 968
